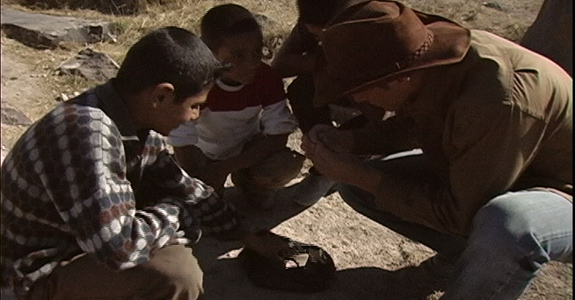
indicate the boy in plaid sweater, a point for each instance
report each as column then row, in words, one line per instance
column 92, row 199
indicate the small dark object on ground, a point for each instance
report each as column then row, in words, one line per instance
column 308, row 269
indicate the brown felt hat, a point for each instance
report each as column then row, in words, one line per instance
column 373, row 41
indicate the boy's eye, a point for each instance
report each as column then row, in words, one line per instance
column 195, row 106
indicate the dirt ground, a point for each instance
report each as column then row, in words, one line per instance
column 367, row 255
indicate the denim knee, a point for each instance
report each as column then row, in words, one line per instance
column 503, row 226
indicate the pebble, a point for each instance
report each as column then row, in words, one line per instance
column 62, row 97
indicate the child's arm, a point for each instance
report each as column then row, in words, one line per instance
column 187, row 158
column 255, row 151
column 183, row 140
column 200, row 207
column 196, row 164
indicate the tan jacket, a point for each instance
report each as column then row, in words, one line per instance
column 500, row 120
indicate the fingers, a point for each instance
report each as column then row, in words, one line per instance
column 323, row 158
column 317, row 129
column 319, row 134
column 324, row 138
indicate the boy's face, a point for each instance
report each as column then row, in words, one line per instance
column 172, row 114
column 244, row 53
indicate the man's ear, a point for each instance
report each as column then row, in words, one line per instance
column 162, row 93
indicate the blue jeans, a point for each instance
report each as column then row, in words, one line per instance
column 513, row 235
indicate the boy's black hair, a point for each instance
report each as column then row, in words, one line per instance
column 318, row 12
column 169, row 54
column 226, row 20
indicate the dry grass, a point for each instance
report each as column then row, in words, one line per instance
column 182, row 13
column 281, row 13
column 509, row 19
column 123, row 7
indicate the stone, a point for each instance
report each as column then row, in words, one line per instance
column 43, row 31
column 12, row 116
column 494, row 5
column 115, row 7
column 90, row 64
column 551, row 34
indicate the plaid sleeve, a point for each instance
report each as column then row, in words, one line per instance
column 202, row 210
column 82, row 160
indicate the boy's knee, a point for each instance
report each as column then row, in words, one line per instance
column 179, row 274
column 292, row 161
column 278, row 169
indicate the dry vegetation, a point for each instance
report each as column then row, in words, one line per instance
column 358, row 245
column 154, row 14
column 509, row 19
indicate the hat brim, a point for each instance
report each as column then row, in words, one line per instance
column 450, row 45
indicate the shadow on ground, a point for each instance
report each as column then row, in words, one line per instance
column 224, row 277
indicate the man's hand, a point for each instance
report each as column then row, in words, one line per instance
column 342, row 166
column 337, row 140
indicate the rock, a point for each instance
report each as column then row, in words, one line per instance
column 92, row 65
column 493, row 5
column 62, row 97
column 12, row 116
column 43, row 31
column 551, row 34
column 121, row 7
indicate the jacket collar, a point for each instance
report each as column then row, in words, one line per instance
column 115, row 107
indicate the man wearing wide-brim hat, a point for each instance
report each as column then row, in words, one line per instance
column 492, row 190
